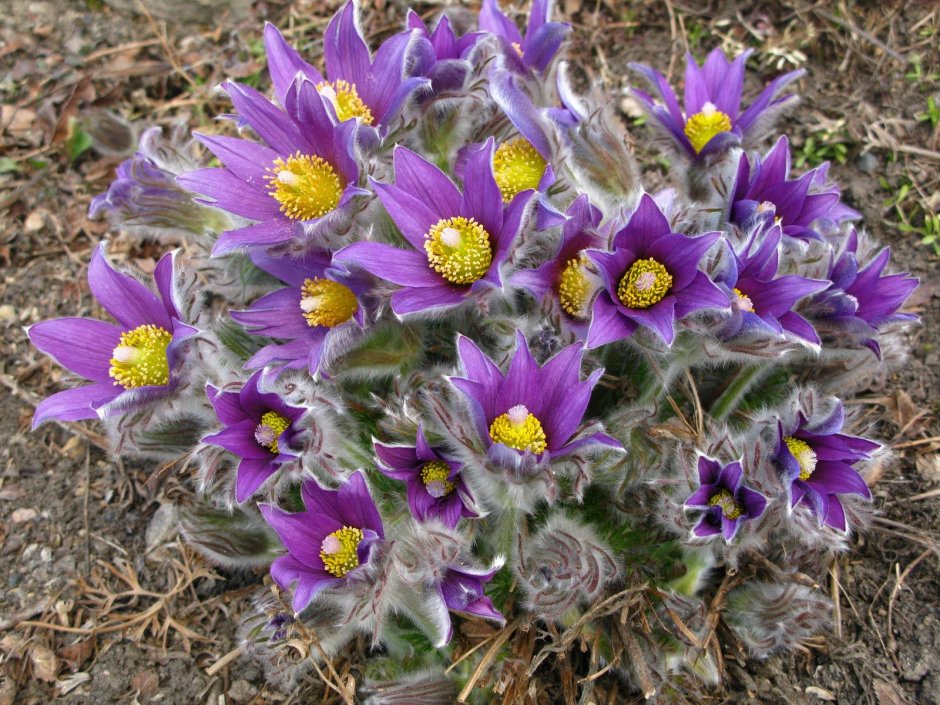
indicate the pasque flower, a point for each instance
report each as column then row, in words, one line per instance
column 260, row 428
column 541, row 42
column 435, row 487
column 711, row 118
column 651, row 279
column 129, row 364
column 727, row 501
column 356, row 85
column 532, row 409
column 463, row 590
column 296, row 185
column 764, row 191
column 327, row 542
column 817, row 463
column 441, row 55
column 458, row 240
column 320, row 301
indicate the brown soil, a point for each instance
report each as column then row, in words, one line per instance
column 82, row 535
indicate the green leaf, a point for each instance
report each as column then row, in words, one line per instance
column 78, row 141
column 234, row 337
column 9, row 166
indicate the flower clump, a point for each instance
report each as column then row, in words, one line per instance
column 435, row 355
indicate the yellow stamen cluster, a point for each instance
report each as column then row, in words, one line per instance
column 804, row 454
column 346, row 101
column 434, row 476
column 517, row 166
column 270, row 429
column 701, row 127
column 459, row 249
column 140, row 359
column 729, row 507
column 306, row 185
column 325, row 302
column 338, row 551
column 645, row 283
column 574, row 288
column 519, row 429
column 744, row 301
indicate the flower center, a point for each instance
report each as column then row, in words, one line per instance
column 270, row 429
column 140, row 360
column 434, row 476
column 644, row 284
column 804, row 454
column 729, row 507
column 574, row 288
column 325, row 302
column 519, row 429
column 517, row 166
column 305, row 185
column 459, row 249
column 346, row 101
column 338, row 551
column 744, row 301
column 701, row 127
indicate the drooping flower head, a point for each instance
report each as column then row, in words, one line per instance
column 129, row 364
column 727, row 501
column 759, row 298
column 434, row 484
column 356, row 86
column 542, row 40
column 441, row 55
column 817, row 463
column 329, row 540
column 260, row 428
column 532, row 409
column 320, row 301
column 463, row 590
column 712, row 118
column 765, row 192
column 651, row 279
column 458, row 240
column 296, row 186
column 861, row 300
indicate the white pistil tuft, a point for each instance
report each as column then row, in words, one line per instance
column 310, row 303
column 709, row 109
column 518, row 414
column 331, row 544
column 288, row 178
column 645, row 281
column 125, row 353
column 450, row 237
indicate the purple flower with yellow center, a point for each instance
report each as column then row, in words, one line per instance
column 356, row 86
column 458, row 240
column 727, row 501
column 463, row 590
column 328, row 542
column 764, row 192
column 319, row 302
column 650, row 279
column 569, row 280
column 862, row 299
column 441, row 55
column 260, row 428
column 435, row 486
column 759, row 298
column 817, row 461
column 712, row 118
column 542, row 40
column 129, row 364
column 531, row 410
column 296, row 186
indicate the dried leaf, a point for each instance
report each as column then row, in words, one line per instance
column 888, row 694
column 146, row 683
column 928, row 465
column 45, row 663
column 76, row 654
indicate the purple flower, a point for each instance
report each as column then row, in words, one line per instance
column 712, row 119
column 463, row 591
column 651, row 279
column 260, row 428
column 724, row 497
column 759, row 298
column 328, row 541
column 567, row 280
column 862, row 300
column 764, row 192
column 319, row 303
column 435, row 487
column 458, row 241
column 356, row 86
column 297, row 186
column 441, row 55
column 541, row 42
column 817, row 464
column 129, row 364
column 531, row 410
